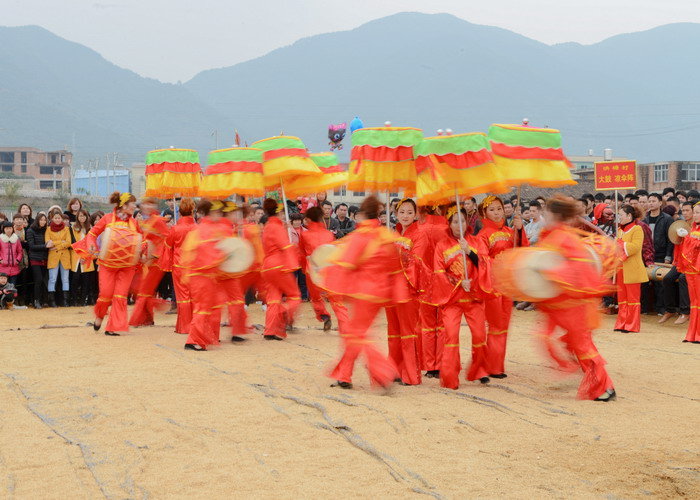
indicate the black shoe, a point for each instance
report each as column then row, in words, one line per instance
column 432, row 374
column 342, row 385
column 235, row 338
column 272, row 337
column 66, row 300
column 484, row 380
column 609, row 395
column 194, row 347
column 37, row 305
column 52, row 300
column 498, row 375
column 326, row 322
column 112, row 334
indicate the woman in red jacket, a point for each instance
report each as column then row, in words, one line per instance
column 461, row 292
column 118, row 265
column 403, row 319
column 687, row 259
column 496, row 237
column 575, row 309
column 316, row 235
column 171, row 259
column 281, row 260
column 366, row 271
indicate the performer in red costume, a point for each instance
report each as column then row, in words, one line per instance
column 575, row 310
column 281, row 260
column 496, row 237
column 172, row 259
column 119, row 254
column 201, row 260
column 366, row 271
column 433, row 227
column 155, row 230
column 251, row 279
column 403, row 319
column 461, row 292
column 315, row 236
column 687, row 259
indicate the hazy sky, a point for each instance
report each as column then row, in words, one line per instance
column 174, row 39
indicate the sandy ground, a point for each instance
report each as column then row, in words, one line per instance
column 83, row 415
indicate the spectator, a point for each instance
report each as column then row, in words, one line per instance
column 509, row 212
column 643, row 197
column 345, row 223
column 599, row 198
column 19, row 224
column 3, row 217
column 72, row 210
column 38, row 257
column 321, row 197
column 674, row 202
column 633, row 272
column 81, row 278
column 682, row 196
column 474, row 223
column 171, row 206
column 589, row 199
column 330, row 222
column 693, row 196
column 668, row 193
column 352, row 213
column 256, row 215
column 58, row 241
column 382, row 218
column 671, row 210
column 168, row 216
column 26, row 212
column 8, row 292
column 658, row 222
column 11, row 252
column 687, row 212
column 533, row 229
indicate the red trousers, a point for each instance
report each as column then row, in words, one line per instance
column 279, row 314
column 498, row 312
column 142, row 314
column 382, row 371
column 693, row 333
column 432, row 336
column 404, row 342
column 184, row 302
column 629, row 308
column 205, row 300
column 316, row 296
column 114, row 288
column 551, row 344
column 579, row 341
column 235, row 301
column 451, row 364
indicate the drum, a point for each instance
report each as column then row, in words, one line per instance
column 121, row 246
column 239, row 255
column 604, row 253
column 518, row 274
column 658, row 271
column 320, row 258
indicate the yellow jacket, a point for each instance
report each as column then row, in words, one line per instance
column 85, row 268
column 61, row 251
column 633, row 270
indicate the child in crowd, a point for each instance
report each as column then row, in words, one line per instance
column 8, row 293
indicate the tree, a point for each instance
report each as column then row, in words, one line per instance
column 13, row 192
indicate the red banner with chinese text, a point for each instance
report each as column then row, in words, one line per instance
column 611, row 175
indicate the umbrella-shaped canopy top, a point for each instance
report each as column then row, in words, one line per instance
column 233, row 171
column 527, row 155
column 382, row 159
column 284, row 157
column 333, row 176
column 171, row 172
column 449, row 165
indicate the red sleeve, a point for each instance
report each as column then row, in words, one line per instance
column 353, row 252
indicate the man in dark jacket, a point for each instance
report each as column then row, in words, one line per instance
column 329, row 221
column 659, row 223
column 345, row 223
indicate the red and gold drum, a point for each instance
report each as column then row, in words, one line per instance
column 121, row 246
column 518, row 273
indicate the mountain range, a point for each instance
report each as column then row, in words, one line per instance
column 636, row 93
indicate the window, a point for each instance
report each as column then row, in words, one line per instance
column 24, row 157
column 358, row 193
column 691, row 172
column 661, row 173
column 24, row 169
column 50, row 170
column 63, row 158
column 54, row 158
column 7, row 168
column 7, row 157
column 49, row 185
column 340, row 191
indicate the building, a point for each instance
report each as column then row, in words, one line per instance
column 101, row 183
column 583, row 165
column 51, row 170
column 138, row 179
column 682, row 175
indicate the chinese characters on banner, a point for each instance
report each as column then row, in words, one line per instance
column 611, row 175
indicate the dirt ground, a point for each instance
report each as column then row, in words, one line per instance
column 83, row 415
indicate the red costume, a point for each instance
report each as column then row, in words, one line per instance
column 497, row 237
column 687, row 260
column 309, row 240
column 251, row 279
column 281, row 260
column 172, row 259
column 114, row 279
column 432, row 328
column 456, row 302
column 366, row 271
column 155, row 230
column 403, row 319
column 201, row 260
column 575, row 309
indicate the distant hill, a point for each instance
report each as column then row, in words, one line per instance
column 636, row 93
